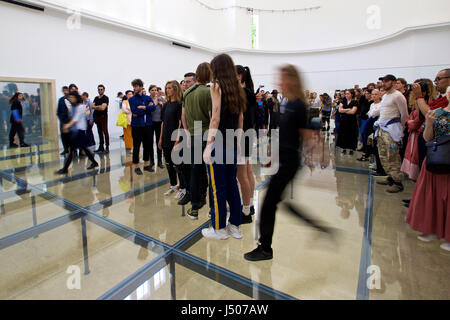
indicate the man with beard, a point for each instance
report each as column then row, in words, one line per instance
column 393, row 114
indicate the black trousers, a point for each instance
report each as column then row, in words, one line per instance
column 73, row 146
column 17, row 127
column 140, row 136
column 199, row 178
column 155, row 133
column 289, row 164
column 171, row 168
column 65, row 138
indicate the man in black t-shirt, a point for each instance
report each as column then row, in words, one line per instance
column 100, row 106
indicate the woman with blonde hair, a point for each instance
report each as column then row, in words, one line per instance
column 127, row 132
column 171, row 121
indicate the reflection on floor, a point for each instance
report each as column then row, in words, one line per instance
column 114, row 235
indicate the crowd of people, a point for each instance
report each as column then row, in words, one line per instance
column 391, row 122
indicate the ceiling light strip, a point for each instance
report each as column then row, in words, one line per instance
column 255, row 10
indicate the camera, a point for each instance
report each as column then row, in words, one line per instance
column 423, row 86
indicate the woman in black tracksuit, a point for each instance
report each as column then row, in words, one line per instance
column 292, row 130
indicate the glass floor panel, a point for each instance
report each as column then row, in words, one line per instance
column 24, row 211
column 307, row 264
column 38, row 268
column 189, row 285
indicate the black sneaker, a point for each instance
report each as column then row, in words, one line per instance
column 259, row 254
column 21, row 192
column 149, row 169
column 138, row 171
column 107, row 150
column 246, row 219
column 185, row 200
column 24, row 145
column 351, row 152
column 407, row 201
column 161, row 165
column 193, row 214
column 99, row 150
column 64, row 153
column 252, row 210
column 13, row 145
column 93, row 166
column 62, row 171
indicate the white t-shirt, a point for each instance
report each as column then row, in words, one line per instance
column 80, row 117
column 393, row 105
column 374, row 110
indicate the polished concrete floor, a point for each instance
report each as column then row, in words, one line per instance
column 126, row 240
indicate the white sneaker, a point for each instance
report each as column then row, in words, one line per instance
column 211, row 233
column 427, row 237
column 234, row 231
column 180, row 194
column 446, row 246
column 171, row 190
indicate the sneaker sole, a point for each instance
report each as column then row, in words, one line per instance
column 255, row 260
column 192, row 217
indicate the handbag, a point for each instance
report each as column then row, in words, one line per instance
column 122, row 120
column 438, row 155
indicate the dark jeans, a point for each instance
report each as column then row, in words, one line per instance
column 102, row 128
column 171, row 168
column 140, row 137
column 16, row 127
column 289, row 164
column 199, row 179
column 155, row 133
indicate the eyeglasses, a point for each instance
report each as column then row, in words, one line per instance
column 440, row 78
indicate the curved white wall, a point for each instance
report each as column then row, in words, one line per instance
column 41, row 46
column 337, row 24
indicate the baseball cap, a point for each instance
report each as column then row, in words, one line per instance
column 388, row 77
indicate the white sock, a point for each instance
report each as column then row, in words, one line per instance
column 246, row 210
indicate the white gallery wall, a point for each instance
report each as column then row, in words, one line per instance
column 336, row 23
column 39, row 45
column 412, row 55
